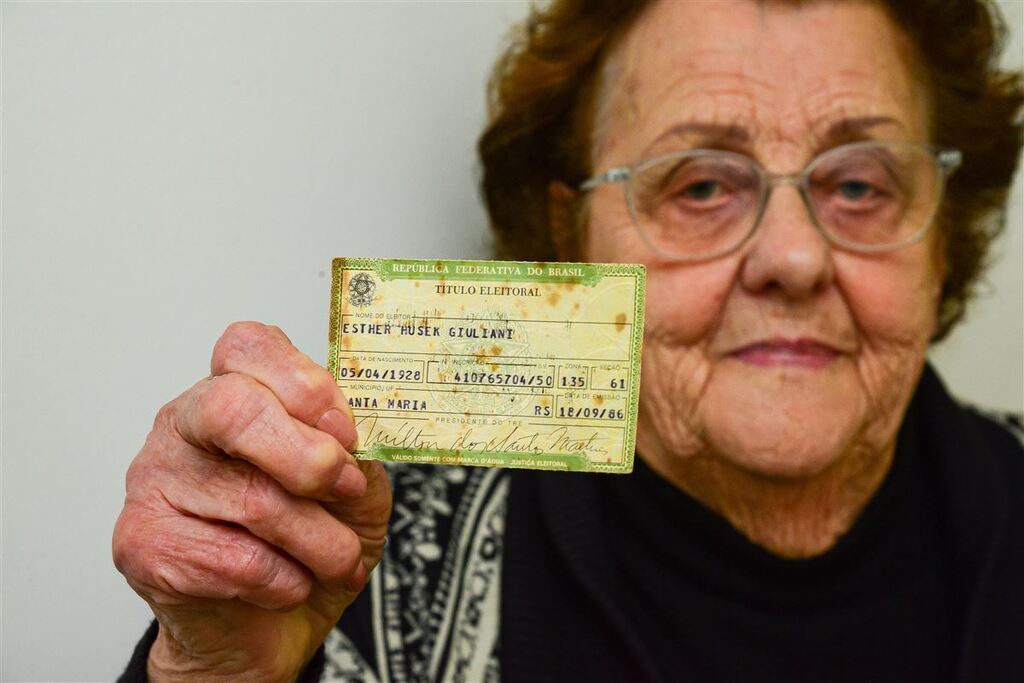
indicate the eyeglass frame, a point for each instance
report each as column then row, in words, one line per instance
column 947, row 159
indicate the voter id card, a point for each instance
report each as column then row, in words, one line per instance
column 490, row 363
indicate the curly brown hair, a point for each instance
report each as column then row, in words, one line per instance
column 542, row 92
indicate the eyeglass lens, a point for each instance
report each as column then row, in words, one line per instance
column 703, row 203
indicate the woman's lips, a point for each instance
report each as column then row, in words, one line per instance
column 801, row 352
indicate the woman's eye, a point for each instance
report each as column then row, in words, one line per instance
column 855, row 189
column 705, row 189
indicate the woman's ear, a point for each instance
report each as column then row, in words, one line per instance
column 561, row 221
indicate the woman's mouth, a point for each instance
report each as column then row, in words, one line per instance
column 806, row 353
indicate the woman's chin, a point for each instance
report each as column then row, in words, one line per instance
column 782, row 420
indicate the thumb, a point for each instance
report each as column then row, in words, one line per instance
column 368, row 514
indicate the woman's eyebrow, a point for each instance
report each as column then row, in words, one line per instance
column 855, row 129
column 710, row 135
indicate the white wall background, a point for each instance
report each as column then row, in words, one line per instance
column 168, row 168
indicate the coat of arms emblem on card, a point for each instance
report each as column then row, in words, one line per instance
column 360, row 289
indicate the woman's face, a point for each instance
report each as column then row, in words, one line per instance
column 786, row 355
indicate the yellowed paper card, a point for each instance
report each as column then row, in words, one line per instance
column 492, row 363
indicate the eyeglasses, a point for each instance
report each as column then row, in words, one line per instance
column 865, row 196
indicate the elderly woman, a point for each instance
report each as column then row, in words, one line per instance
column 812, row 187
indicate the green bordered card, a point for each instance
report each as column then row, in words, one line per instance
column 490, row 363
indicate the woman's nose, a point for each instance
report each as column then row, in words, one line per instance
column 787, row 252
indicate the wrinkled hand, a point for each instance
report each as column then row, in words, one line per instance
column 247, row 526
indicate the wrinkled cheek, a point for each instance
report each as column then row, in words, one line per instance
column 684, row 308
column 685, row 311
column 888, row 371
column 895, row 326
column 673, row 379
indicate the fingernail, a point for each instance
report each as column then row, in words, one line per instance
column 357, row 581
column 348, row 409
column 342, row 428
column 351, row 482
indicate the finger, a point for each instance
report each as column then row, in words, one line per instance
column 236, row 415
column 239, row 493
column 369, row 514
column 306, row 390
column 182, row 558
